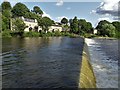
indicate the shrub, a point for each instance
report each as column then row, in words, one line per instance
column 6, row 33
column 31, row 34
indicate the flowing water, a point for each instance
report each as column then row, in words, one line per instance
column 104, row 59
column 41, row 62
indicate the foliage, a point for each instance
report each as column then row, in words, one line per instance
column 6, row 6
column 6, row 33
column 74, row 25
column 19, row 10
column 45, row 22
column 18, row 27
column 105, row 28
column 6, row 15
column 37, row 10
column 31, row 34
column 64, row 21
column 117, row 25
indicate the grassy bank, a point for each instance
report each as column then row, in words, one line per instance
column 9, row 33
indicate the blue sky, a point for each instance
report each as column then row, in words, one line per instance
column 91, row 11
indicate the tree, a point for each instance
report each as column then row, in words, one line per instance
column 82, row 26
column 6, row 6
column 64, row 21
column 19, row 10
column 89, row 27
column 37, row 10
column 6, row 15
column 109, row 30
column 19, row 26
column 117, row 25
column 45, row 22
column 100, row 27
column 74, row 25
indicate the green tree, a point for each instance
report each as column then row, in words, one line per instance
column 37, row 10
column 109, row 30
column 31, row 15
column 64, row 21
column 117, row 25
column 89, row 27
column 19, row 9
column 99, row 27
column 19, row 26
column 45, row 22
column 6, row 15
column 6, row 6
column 82, row 26
column 74, row 25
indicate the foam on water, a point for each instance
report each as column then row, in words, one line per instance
column 105, row 68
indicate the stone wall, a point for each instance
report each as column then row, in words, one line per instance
column 87, row 77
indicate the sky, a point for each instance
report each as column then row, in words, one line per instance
column 91, row 10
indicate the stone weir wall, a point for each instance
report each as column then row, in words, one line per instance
column 87, row 77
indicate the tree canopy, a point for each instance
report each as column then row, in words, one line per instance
column 6, row 6
column 45, row 22
column 64, row 21
column 37, row 10
column 19, row 9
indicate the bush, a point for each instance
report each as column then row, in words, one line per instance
column 6, row 33
column 31, row 34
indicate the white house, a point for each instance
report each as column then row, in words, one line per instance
column 32, row 25
column 95, row 31
column 54, row 28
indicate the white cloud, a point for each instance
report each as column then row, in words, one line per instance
column 109, row 7
column 58, row 19
column 93, row 12
column 46, row 15
column 60, row 3
column 105, row 18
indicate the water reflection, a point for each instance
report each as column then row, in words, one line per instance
column 41, row 62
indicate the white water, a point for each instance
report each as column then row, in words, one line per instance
column 105, row 69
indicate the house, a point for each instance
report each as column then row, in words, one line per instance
column 31, row 24
column 54, row 28
column 95, row 31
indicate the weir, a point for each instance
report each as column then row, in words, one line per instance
column 87, row 77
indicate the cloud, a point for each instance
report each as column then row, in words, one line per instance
column 46, row 15
column 59, row 3
column 108, row 7
column 103, row 18
column 58, row 19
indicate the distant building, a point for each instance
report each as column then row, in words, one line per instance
column 54, row 28
column 32, row 25
column 95, row 31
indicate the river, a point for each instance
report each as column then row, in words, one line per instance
column 104, row 59
column 41, row 62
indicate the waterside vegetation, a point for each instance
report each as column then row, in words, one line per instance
column 73, row 27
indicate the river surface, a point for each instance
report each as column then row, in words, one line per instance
column 104, row 59
column 41, row 62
